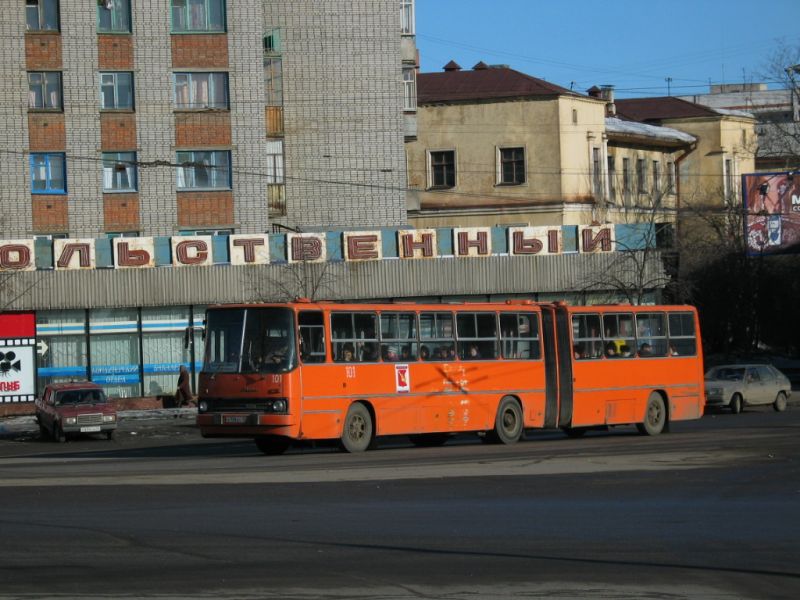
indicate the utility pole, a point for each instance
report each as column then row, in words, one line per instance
column 669, row 81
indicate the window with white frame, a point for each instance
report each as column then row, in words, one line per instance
column 612, row 178
column 119, row 171
column 201, row 90
column 442, row 169
column 191, row 16
column 44, row 90
column 409, row 88
column 41, row 15
column 203, row 170
column 511, row 166
column 729, row 176
column 407, row 17
column 48, row 173
column 116, row 90
column 671, row 177
column 275, row 161
column 114, row 16
column 597, row 173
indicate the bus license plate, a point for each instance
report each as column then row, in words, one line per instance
column 235, row 419
column 93, row 429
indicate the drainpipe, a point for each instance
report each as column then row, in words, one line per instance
column 678, row 162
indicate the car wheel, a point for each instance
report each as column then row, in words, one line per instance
column 110, row 434
column 272, row 445
column 655, row 416
column 736, row 404
column 780, row 402
column 358, row 428
column 58, row 434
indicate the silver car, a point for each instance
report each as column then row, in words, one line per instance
column 737, row 386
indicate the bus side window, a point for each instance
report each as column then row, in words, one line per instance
column 356, row 330
column 312, row 336
column 618, row 333
column 587, row 340
column 519, row 335
column 651, row 334
column 436, row 336
column 682, row 339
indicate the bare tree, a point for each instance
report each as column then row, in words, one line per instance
column 289, row 281
column 779, row 131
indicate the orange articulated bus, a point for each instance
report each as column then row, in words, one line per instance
column 355, row 372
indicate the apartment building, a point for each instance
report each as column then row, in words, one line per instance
column 163, row 117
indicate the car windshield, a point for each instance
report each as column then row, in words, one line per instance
column 726, row 374
column 250, row 340
column 80, row 397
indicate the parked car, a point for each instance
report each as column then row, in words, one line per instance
column 737, row 386
column 77, row 407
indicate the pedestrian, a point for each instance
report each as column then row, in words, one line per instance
column 183, row 395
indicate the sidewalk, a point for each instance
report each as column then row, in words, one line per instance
column 26, row 424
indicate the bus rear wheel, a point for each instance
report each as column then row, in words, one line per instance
column 508, row 423
column 655, row 416
column 358, row 428
column 272, row 444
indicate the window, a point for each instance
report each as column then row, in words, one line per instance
column 597, row 173
column 730, row 187
column 398, row 337
column 512, row 166
column 620, row 340
column 48, row 173
column 200, row 170
column 273, row 76
column 436, row 336
column 586, row 337
column 272, row 42
column 682, row 340
column 114, row 16
column 671, row 177
column 477, row 336
column 443, row 169
column 201, row 90
column 121, row 234
column 651, row 333
column 641, row 176
column 190, row 16
column 656, row 177
column 223, row 231
column 519, row 335
column 119, row 171
column 407, row 17
column 41, row 15
column 275, row 161
column 44, row 90
column 626, row 177
column 612, row 178
column 116, row 90
column 409, row 89
column 312, row 336
column 356, row 332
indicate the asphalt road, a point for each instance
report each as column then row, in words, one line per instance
column 711, row 510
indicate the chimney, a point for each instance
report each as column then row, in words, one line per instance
column 452, row 66
column 607, row 94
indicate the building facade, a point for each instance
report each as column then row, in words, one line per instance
column 167, row 116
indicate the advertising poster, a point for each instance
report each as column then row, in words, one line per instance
column 17, row 357
column 772, row 213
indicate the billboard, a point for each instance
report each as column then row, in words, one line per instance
column 772, row 212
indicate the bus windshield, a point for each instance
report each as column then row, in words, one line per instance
column 250, row 340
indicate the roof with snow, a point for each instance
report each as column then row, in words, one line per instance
column 484, row 82
column 616, row 127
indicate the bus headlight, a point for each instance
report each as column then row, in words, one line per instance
column 279, row 405
column 202, row 406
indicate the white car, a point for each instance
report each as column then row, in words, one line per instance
column 737, row 386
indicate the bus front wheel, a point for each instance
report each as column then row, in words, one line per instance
column 655, row 416
column 508, row 423
column 357, row 433
column 272, row 444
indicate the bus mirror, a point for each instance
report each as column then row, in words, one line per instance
column 188, row 335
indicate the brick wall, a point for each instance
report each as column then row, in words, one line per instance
column 115, row 52
column 201, row 129
column 42, row 51
column 117, row 131
column 205, row 209
column 50, row 214
column 201, row 51
column 46, row 132
column 121, row 212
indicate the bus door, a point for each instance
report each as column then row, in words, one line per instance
column 565, row 380
column 550, row 366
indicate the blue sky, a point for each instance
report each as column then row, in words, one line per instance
column 631, row 44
